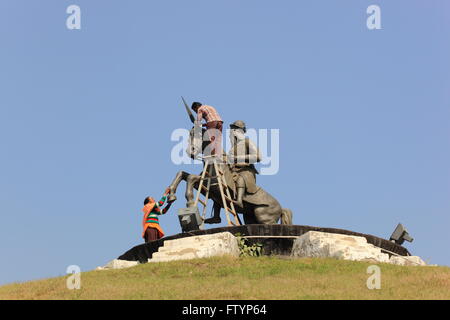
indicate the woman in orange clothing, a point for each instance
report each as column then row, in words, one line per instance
column 150, row 222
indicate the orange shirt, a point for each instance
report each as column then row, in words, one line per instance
column 148, row 208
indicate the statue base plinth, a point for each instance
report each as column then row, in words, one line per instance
column 277, row 239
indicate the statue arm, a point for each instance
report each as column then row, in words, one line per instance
column 255, row 152
column 253, row 155
column 247, row 158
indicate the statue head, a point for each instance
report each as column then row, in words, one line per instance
column 238, row 124
column 237, row 132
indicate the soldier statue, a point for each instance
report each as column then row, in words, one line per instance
column 242, row 158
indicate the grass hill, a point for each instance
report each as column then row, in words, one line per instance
column 244, row 278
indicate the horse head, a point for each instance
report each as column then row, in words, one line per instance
column 197, row 144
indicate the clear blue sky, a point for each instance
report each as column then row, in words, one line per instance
column 86, row 117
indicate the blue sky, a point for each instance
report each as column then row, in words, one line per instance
column 86, row 117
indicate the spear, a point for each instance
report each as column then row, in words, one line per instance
column 191, row 116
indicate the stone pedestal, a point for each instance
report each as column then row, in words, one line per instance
column 118, row 264
column 407, row 261
column 332, row 245
column 205, row 246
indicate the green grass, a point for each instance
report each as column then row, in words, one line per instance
column 244, row 278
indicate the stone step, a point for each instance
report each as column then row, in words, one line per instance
column 219, row 249
column 196, row 240
column 187, row 253
column 118, row 264
column 206, row 246
column 329, row 245
column 168, row 259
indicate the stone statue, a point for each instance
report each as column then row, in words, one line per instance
column 255, row 204
column 241, row 157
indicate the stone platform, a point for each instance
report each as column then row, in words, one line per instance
column 340, row 246
column 204, row 246
column 282, row 245
column 315, row 244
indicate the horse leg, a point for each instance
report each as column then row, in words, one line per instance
column 286, row 216
column 268, row 214
column 190, row 181
column 181, row 175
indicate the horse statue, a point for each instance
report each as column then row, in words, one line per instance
column 258, row 207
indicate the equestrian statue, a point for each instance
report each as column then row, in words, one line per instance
column 255, row 204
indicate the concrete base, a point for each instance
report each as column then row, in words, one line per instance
column 118, row 264
column 205, row 246
column 331, row 245
column 345, row 247
column 272, row 246
column 407, row 261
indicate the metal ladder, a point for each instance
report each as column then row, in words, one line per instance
column 221, row 182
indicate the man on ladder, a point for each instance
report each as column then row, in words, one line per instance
column 213, row 125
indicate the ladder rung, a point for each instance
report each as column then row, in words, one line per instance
column 228, row 204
